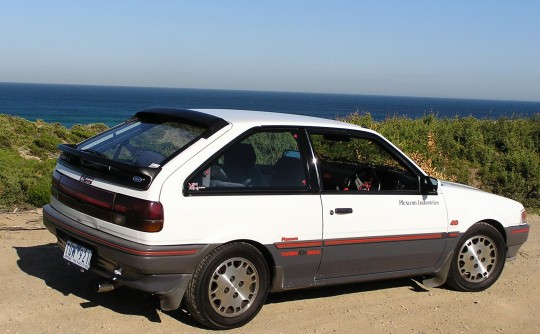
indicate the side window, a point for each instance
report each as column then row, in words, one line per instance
column 263, row 160
column 349, row 163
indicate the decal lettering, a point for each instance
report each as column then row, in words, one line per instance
column 291, row 253
column 194, row 186
column 86, row 179
column 284, row 239
column 403, row 202
column 301, row 252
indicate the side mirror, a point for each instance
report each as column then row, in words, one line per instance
column 428, row 185
column 291, row 154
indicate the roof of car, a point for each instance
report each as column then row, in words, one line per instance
column 273, row 118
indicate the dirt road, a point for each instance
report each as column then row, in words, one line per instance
column 41, row 294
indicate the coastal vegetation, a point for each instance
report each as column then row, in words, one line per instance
column 27, row 157
column 500, row 156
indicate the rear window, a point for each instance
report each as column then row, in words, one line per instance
column 143, row 143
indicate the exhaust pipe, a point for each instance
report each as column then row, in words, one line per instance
column 105, row 286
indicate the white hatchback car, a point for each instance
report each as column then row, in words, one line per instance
column 216, row 208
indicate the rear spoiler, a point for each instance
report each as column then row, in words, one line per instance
column 118, row 172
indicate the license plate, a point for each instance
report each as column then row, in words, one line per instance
column 78, row 254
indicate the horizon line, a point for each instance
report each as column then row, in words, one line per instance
column 262, row 91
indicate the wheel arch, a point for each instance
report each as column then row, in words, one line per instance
column 268, row 258
column 441, row 274
column 497, row 225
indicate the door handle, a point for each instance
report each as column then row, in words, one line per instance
column 342, row 211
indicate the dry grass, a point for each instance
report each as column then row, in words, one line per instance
column 427, row 163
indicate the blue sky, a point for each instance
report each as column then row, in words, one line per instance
column 465, row 49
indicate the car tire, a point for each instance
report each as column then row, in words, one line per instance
column 229, row 287
column 478, row 259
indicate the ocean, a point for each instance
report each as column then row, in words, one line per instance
column 77, row 104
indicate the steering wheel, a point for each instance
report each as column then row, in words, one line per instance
column 365, row 179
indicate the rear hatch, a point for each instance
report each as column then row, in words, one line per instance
column 128, row 156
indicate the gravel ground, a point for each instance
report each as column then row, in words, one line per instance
column 42, row 294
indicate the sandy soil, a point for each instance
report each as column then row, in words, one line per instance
column 42, row 294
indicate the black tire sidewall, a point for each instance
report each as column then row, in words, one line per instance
column 218, row 256
column 479, row 229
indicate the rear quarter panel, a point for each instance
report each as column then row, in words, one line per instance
column 222, row 218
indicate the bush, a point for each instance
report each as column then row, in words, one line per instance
column 21, row 179
column 28, row 152
column 501, row 156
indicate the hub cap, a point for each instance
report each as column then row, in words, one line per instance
column 233, row 287
column 477, row 259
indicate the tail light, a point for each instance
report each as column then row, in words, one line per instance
column 127, row 211
column 138, row 214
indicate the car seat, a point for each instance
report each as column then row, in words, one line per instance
column 289, row 173
column 239, row 165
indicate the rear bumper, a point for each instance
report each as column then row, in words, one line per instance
column 161, row 270
column 515, row 238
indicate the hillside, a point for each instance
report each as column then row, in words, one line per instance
column 501, row 156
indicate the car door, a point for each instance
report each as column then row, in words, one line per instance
column 375, row 218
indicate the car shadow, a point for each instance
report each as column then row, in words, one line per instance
column 46, row 263
column 319, row 292
column 337, row 290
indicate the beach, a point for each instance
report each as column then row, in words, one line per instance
column 42, row 294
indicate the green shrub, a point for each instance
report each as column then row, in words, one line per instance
column 28, row 152
column 500, row 156
column 79, row 132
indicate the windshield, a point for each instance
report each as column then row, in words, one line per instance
column 143, row 143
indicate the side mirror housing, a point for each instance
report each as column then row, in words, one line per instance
column 428, row 185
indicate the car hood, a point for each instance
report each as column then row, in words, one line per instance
column 457, row 186
column 471, row 193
